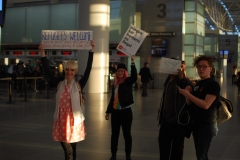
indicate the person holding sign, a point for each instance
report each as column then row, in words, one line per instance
column 171, row 134
column 68, row 127
column 204, row 102
column 120, row 108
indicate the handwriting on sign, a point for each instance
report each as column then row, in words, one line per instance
column 66, row 39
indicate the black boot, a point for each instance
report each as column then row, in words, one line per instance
column 113, row 157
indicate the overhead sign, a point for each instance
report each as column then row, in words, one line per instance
column 162, row 34
column 131, row 41
column 170, row 66
column 66, row 39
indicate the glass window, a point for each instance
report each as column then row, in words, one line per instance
column 37, row 20
column 199, row 40
column 200, row 9
column 189, row 5
column 190, row 16
column 190, row 28
column 200, row 19
column 189, row 61
column 200, row 29
column 189, row 39
column 121, row 16
column 199, row 50
column 14, row 26
column 63, row 16
column 189, row 50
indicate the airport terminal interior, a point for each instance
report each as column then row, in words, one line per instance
column 26, row 128
column 178, row 29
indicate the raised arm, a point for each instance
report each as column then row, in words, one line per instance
column 133, row 77
column 45, row 64
column 86, row 74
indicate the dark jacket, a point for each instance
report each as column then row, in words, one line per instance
column 124, row 91
column 145, row 74
column 180, row 103
column 56, row 80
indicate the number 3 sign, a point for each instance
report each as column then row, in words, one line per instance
column 162, row 10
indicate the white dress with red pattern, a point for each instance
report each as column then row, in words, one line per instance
column 64, row 129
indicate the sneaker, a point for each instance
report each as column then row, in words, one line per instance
column 113, row 157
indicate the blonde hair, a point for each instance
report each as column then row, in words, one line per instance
column 71, row 64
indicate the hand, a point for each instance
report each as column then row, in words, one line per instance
column 132, row 58
column 183, row 91
column 93, row 45
column 107, row 116
column 40, row 47
column 189, row 89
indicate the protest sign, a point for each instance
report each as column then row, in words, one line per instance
column 170, row 66
column 131, row 41
column 66, row 39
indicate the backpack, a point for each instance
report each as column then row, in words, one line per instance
column 224, row 110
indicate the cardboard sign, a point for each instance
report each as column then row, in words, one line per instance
column 170, row 66
column 66, row 39
column 131, row 41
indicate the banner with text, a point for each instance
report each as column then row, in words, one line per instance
column 131, row 41
column 170, row 66
column 66, row 39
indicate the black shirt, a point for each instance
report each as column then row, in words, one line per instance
column 201, row 89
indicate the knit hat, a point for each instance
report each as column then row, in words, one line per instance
column 121, row 65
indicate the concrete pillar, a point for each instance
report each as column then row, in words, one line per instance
column 94, row 15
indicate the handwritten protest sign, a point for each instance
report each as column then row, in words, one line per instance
column 170, row 66
column 66, row 39
column 131, row 41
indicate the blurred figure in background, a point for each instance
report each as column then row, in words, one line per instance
column 145, row 77
column 234, row 74
column 12, row 72
column 29, row 72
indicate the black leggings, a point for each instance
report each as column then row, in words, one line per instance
column 69, row 150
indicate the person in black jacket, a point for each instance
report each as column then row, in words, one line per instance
column 120, row 108
column 68, row 127
column 204, row 99
column 171, row 134
column 145, row 77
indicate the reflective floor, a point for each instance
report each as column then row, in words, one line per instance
column 26, row 128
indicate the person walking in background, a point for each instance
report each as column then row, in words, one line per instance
column 12, row 71
column 171, row 135
column 145, row 77
column 120, row 108
column 234, row 74
column 204, row 101
column 68, row 126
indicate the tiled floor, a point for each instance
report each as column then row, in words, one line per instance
column 25, row 128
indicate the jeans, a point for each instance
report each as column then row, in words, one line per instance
column 69, row 150
column 121, row 118
column 144, row 88
column 202, row 135
column 171, row 141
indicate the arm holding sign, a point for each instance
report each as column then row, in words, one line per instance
column 86, row 74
